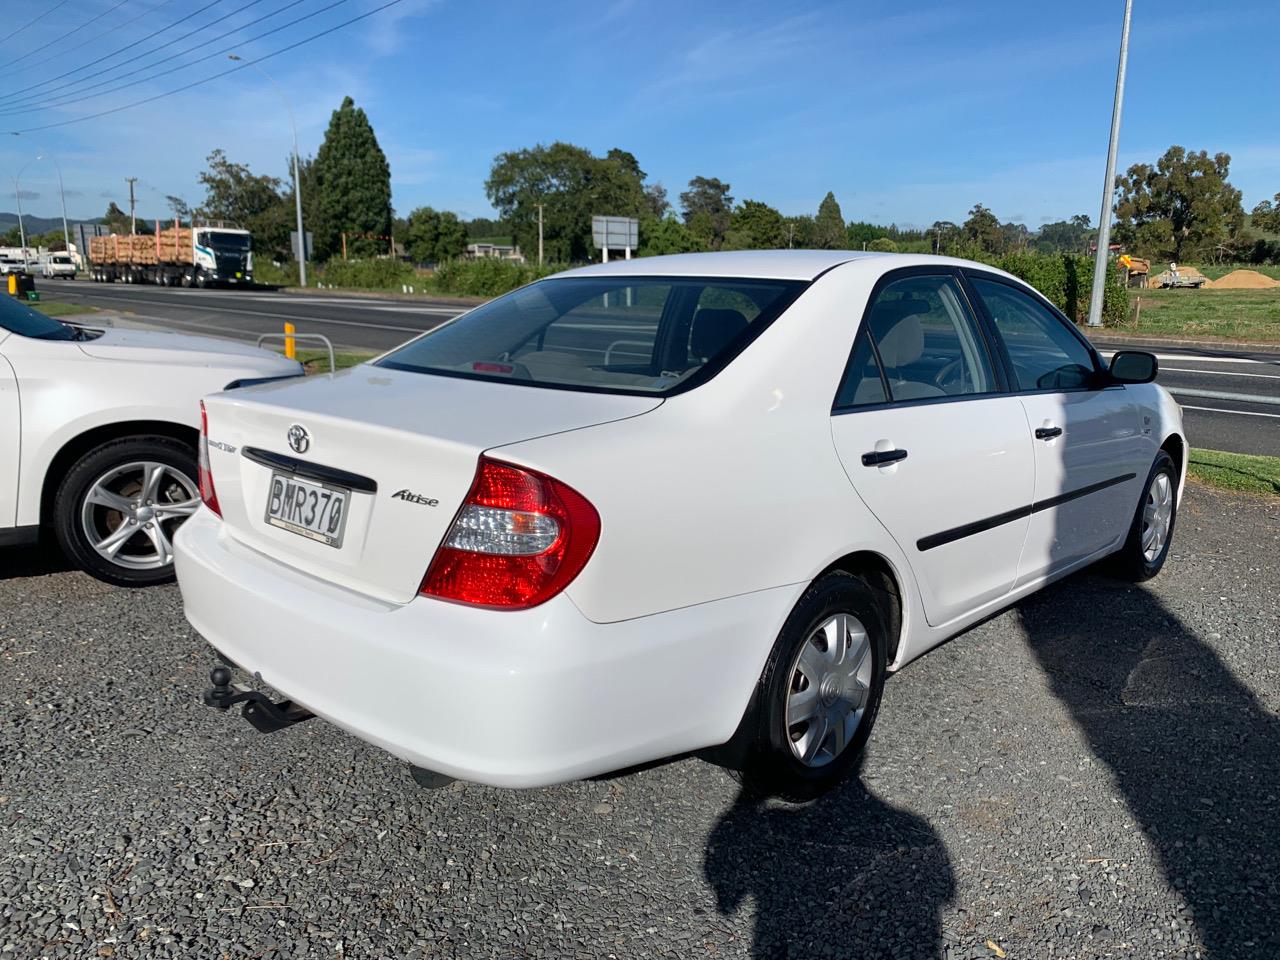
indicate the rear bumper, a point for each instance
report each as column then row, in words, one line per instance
column 515, row 699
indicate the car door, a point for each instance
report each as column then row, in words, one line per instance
column 10, row 436
column 932, row 441
column 1086, row 432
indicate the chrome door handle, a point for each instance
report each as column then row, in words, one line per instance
column 878, row 458
column 1048, row 433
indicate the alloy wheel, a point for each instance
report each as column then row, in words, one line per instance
column 132, row 511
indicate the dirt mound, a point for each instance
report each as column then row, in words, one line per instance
column 1245, row 280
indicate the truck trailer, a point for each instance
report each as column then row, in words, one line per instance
column 201, row 255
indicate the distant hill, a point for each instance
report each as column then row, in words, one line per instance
column 38, row 224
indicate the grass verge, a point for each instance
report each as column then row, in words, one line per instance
column 317, row 361
column 58, row 308
column 1206, row 314
column 1236, row 471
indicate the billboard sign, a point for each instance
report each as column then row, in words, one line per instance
column 615, row 233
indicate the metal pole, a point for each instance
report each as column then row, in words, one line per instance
column 66, row 234
column 297, row 179
column 1108, row 185
column 22, row 232
column 539, row 234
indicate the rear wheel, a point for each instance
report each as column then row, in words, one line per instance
column 1151, row 533
column 116, row 512
column 820, row 691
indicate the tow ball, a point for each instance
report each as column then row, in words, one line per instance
column 265, row 714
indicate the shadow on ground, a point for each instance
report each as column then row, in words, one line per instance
column 1194, row 754
column 845, row 876
column 33, row 560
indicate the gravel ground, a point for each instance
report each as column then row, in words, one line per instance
column 1093, row 773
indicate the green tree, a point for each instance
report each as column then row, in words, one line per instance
column 117, row 220
column 180, row 208
column 860, row 233
column 756, row 226
column 801, row 232
column 572, row 185
column 1266, row 215
column 829, row 226
column 983, row 230
column 233, row 192
column 433, row 237
column 663, row 235
column 350, row 187
column 1065, row 236
column 708, row 209
column 882, row 245
column 944, row 237
column 1183, row 207
column 12, row 238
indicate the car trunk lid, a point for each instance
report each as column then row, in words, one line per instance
column 403, row 445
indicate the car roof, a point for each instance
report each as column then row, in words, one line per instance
column 765, row 264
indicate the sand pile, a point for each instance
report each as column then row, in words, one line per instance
column 1243, row 280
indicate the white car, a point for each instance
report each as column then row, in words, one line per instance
column 661, row 505
column 98, row 432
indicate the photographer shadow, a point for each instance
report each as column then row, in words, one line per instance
column 1194, row 753
column 845, row 876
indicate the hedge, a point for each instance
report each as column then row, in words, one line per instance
column 1066, row 279
column 485, row 277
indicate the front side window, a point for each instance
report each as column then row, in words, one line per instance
column 1046, row 355
column 613, row 334
column 927, row 341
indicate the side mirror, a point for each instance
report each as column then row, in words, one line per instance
column 1134, row 366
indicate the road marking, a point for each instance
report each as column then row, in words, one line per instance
column 1220, row 395
column 1241, row 413
column 1221, row 373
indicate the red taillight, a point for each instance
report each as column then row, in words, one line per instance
column 518, row 540
column 205, row 476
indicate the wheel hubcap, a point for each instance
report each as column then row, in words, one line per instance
column 1157, row 516
column 829, row 688
column 132, row 511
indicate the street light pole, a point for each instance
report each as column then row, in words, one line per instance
column 1108, row 186
column 62, row 194
column 17, row 195
column 297, row 179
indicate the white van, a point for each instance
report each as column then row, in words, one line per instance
column 57, row 265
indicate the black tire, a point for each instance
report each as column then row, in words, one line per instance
column 1130, row 561
column 69, row 504
column 771, row 767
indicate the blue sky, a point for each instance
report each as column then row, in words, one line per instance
column 908, row 112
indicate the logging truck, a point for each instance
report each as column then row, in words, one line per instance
column 201, row 255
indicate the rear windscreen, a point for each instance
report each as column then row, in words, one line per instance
column 614, row 334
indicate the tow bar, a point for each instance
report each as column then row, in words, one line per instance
column 260, row 710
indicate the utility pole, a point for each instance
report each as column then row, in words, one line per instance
column 1100, row 265
column 133, row 222
column 539, row 234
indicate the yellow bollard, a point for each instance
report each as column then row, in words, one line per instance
column 290, row 345
column 13, row 285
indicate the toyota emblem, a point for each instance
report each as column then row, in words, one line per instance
column 299, row 439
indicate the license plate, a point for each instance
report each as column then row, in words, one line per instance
column 316, row 511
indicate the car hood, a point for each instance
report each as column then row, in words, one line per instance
column 159, row 346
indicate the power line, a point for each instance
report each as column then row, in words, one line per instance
column 88, row 82
column 45, row 46
column 35, row 19
column 196, row 83
column 130, row 46
column 49, row 104
column 128, row 23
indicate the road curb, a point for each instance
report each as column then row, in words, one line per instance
column 383, row 295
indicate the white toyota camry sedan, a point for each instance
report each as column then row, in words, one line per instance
column 665, row 505
column 98, row 433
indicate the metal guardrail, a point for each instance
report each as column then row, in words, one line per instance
column 333, row 363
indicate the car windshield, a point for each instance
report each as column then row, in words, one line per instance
column 17, row 317
column 651, row 335
column 226, row 242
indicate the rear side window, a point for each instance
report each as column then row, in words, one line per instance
column 1045, row 353
column 648, row 335
column 927, row 343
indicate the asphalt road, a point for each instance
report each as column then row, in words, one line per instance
column 365, row 323
column 1238, row 425
column 1093, row 773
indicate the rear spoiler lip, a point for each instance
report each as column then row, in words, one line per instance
column 310, row 471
